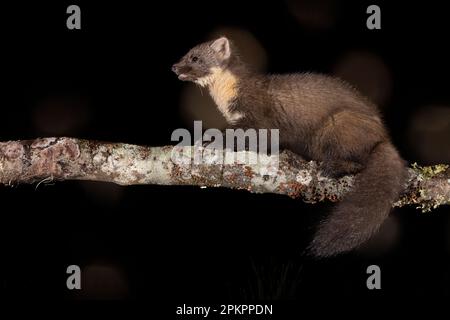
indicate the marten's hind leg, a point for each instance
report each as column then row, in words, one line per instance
column 344, row 142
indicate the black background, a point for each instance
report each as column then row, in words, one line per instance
column 185, row 244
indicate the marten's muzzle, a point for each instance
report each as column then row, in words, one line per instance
column 181, row 71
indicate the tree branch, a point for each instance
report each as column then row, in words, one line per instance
column 48, row 159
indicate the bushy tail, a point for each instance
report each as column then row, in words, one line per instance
column 362, row 211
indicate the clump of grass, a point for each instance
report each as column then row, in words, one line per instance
column 272, row 280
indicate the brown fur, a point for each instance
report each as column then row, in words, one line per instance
column 324, row 119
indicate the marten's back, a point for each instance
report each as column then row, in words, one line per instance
column 316, row 95
column 301, row 104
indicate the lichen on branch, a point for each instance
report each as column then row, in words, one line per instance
column 49, row 159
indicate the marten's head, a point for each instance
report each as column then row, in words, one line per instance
column 201, row 62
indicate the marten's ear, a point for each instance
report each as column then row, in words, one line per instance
column 222, row 47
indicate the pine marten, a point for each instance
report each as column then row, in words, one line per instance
column 320, row 118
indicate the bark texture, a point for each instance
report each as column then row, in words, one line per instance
column 50, row 159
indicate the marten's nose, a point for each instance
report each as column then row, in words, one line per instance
column 175, row 68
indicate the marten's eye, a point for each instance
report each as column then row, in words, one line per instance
column 194, row 59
